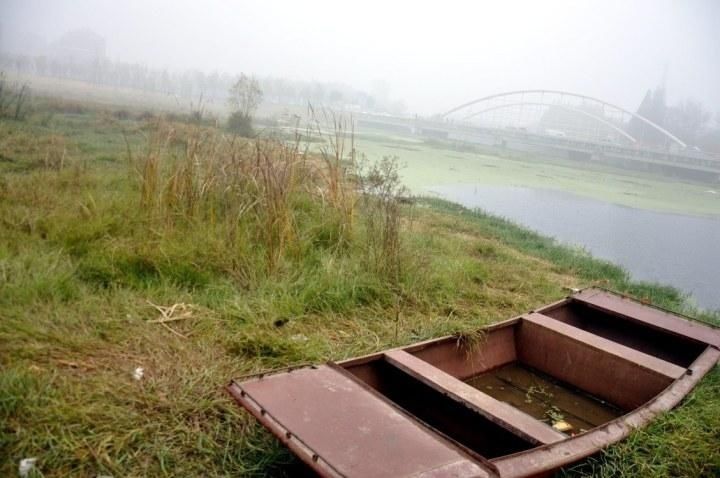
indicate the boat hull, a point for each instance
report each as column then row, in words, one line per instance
column 533, row 394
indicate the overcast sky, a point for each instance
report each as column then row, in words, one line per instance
column 433, row 55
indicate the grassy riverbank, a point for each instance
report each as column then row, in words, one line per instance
column 129, row 241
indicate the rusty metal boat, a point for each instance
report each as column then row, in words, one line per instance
column 536, row 393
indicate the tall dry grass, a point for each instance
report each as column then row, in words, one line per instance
column 147, row 165
column 252, row 189
column 279, row 173
column 339, row 166
column 55, row 152
column 190, row 175
column 51, row 151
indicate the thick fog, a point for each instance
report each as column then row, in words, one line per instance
column 432, row 55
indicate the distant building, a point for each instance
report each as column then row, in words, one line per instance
column 78, row 46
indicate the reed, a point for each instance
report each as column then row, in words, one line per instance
column 199, row 177
column 278, row 174
column 195, row 175
column 340, row 164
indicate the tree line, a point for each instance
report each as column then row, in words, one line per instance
column 193, row 83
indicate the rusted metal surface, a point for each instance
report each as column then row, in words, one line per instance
column 551, row 457
column 460, row 361
column 408, row 411
column 650, row 316
column 649, row 362
column 451, row 354
column 657, row 342
column 340, row 429
column 501, row 413
column 454, row 420
column 606, row 369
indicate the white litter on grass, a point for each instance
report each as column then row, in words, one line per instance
column 26, row 465
column 710, row 191
column 138, row 373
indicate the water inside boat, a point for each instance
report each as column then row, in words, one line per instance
column 545, row 398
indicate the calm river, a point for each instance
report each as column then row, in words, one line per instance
column 683, row 251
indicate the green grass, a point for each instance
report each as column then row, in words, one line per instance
column 81, row 265
column 663, row 448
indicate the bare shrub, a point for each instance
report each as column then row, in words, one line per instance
column 14, row 99
column 245, row 95
column 240, row 124
column 382, row 192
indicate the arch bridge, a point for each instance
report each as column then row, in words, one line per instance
column 560, row 123
column 562, row 114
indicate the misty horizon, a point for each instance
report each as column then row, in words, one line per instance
column 431, row 58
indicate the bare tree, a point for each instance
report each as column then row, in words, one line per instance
column 245, row 95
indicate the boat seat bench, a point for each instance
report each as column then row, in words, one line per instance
column 621, row 375
column 649, row 316
column 496, row 411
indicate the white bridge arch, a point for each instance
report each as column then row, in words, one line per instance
column 605, row 117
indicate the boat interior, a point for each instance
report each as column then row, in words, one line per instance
column 537, row 379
